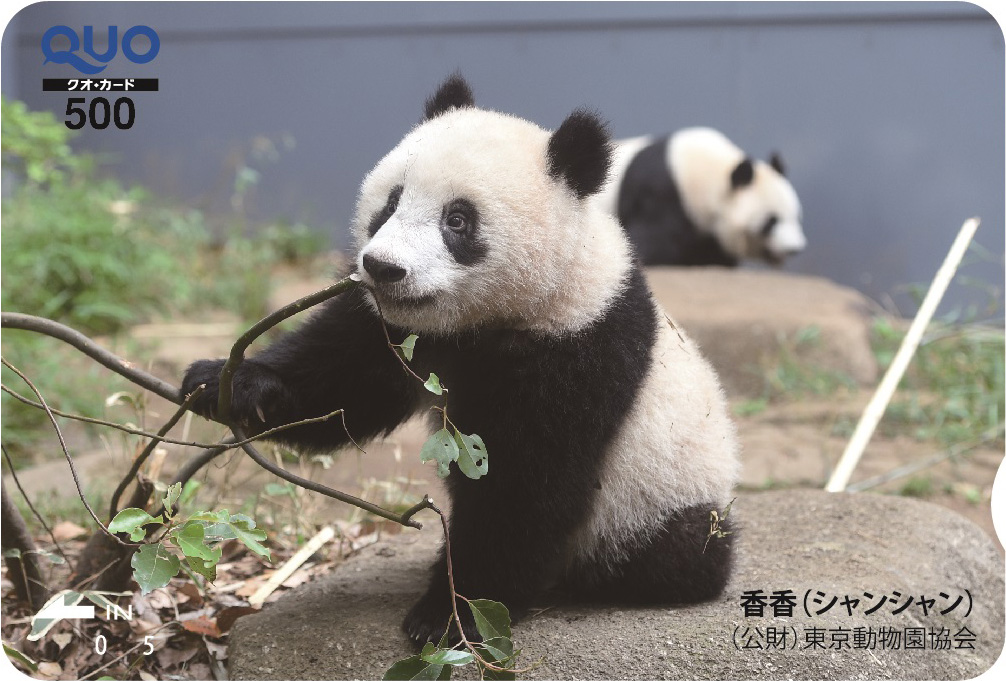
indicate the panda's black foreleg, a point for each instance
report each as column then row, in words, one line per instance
column 682, row 562
column 337, row 359
column 504, row 547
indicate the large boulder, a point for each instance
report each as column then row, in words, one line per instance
column 748, row 321
column 851, row 548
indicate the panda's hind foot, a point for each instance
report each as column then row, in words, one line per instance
column 430, row 617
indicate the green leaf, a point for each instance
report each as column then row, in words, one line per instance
column 191, row 539
column 170, row 497
column 473, row 460
column 132, row 520
column 441, row 448
column 154, row 566
column 221, row 525
column 12, row 553
column 20, row 658
column 207, row 569
column 492, row 619
column 414, row 667
column 455, row 658
column 408, row 346
column 500, row 652
column 433, row 385
column 245, row 532
column 276, row 489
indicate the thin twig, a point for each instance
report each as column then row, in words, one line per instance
column 392, row 346
column 38, row 516
column 184, row 443
column 321, row 489
column 149, row 449
column 66, row 453
column 237, row 353
column 455, row 595
column 16, row 320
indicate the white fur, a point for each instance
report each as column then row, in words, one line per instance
column 554, row 264
column 677, row 448
column 701, row 160
column 551, row 265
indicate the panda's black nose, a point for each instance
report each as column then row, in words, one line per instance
column 383, row 272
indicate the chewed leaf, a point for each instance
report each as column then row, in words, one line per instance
column 473, row 460
column 171, row 496
column 441, row 448
column 433, row 385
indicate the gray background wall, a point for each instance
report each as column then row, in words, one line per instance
column 890, row 116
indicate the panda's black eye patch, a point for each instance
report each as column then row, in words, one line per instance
column 461, row 217
column 381, row 216
column 459, row 227
column 769, row 226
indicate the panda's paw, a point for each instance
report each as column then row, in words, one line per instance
column 431, row 616
column 257, row 392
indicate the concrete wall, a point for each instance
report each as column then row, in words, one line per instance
column 890, row 116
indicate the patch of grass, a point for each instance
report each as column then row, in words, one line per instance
column 794, row 375
column 954, row 390
column 917, row 486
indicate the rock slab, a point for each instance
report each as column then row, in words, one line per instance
column 818, row 545
column 748, row 321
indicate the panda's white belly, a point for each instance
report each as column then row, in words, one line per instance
column 677, row 448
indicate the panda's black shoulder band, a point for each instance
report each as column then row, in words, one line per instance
column 579, row 153
column 453, row 93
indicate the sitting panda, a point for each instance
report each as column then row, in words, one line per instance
column 608, row 433
column 694, row 198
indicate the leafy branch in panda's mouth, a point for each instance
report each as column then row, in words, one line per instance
column 444, row 446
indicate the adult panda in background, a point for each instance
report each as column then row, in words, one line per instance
column 694, row 198
column 608, row 435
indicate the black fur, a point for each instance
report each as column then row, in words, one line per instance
column 681, row 563
column 743, row 174
column 465, row 246
column 546, row 407
column 382, row 216
column 579, row 153
column 650, row 210
column 453, row 93
column 775, row 160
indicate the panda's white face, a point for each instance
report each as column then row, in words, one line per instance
column 462, row 225
column 762, row 219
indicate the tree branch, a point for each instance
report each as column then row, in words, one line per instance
column 47, row 327
column 237, row 354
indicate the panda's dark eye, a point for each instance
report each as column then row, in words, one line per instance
column 392, row 205
column 460, row 217
column 457, row 222
column 769, row 226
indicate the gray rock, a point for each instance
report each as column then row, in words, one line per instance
column 347, row 625
column 747, row 321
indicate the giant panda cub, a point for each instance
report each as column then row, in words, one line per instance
column 608, row 436
column 695, row 198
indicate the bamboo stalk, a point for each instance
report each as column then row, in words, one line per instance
column 878, row 403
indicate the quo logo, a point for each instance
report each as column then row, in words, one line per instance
column 69, row 55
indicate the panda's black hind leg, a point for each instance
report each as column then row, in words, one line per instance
column 681, row 563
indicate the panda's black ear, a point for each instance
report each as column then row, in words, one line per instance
column 579, row 153
column 742, row 175
column 453, row 93
column 775, row 160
